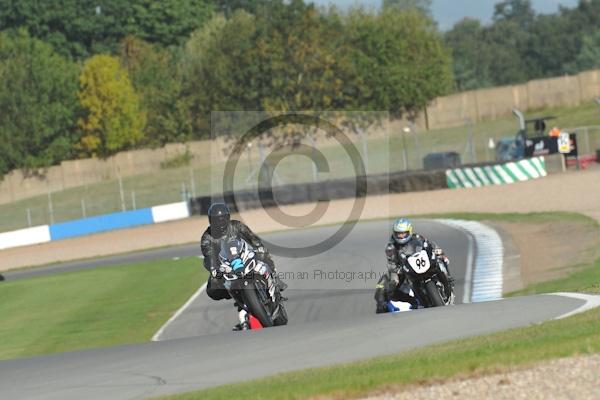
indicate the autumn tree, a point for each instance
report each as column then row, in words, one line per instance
column 114, row 120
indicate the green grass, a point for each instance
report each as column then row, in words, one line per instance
column 579, row 334
column 585, row 279
column 95, row 308
column 384, row 154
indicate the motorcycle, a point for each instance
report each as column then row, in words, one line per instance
column 250, row 283
column 425, row 273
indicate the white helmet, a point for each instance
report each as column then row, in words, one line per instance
column 402, row 231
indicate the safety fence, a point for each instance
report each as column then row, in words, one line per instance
column 97, row 224
column 380, row 184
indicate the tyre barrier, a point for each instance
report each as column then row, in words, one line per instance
column 397, row 182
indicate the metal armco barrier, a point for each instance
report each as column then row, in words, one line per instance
column 397, row 182
column 499, row 174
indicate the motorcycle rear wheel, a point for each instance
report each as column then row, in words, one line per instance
column 282, row 318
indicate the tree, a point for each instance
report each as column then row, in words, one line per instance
column 401, row 58
column 506, row 43
column 38, row 101
column 81, row 28
column 424, row 6
column 114, row 120
column 156, row 78
column 589, row 55
column 471, row 55
column 518, row 11
column 167, row 22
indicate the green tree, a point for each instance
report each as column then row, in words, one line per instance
column 471, row 55
column 38, row 101
column 519, row 11
column 589, row 55
column 156, row 78
column 167, row 22
column 401, row 58
column 83, row 27
column 423, row 6
column 114, row 120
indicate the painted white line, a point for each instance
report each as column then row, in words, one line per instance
column 591, row 301
column 156, row 337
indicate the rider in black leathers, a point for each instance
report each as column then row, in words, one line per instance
column 404, row 241
column 221, row 228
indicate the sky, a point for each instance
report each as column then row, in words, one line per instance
column 448, row 12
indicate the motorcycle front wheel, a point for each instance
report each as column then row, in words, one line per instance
column 256, row 307
column 434, row 294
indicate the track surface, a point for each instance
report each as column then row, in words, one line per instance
column 331, row 321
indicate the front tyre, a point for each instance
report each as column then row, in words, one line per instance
column 434, row 294
column 256, row 307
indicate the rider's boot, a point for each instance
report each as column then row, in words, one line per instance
column 381, row 308
column 380, row 298
column 244, row 323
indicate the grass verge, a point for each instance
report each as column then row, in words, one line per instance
column 95, row 308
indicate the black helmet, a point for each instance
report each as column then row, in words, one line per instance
column 218, row 217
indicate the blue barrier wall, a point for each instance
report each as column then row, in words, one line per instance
column 101, row 223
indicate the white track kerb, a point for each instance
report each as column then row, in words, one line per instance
column 486, row 275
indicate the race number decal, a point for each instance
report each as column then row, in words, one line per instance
column 564, row 143
column 419, row 262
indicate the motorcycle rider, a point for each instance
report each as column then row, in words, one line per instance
column 402, row 242
column 222, row 227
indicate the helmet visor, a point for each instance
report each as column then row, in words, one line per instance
column 401, row 235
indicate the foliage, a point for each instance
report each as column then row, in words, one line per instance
column 589, row 55
column 81, row 28
column 423, row 6
column 400, row 60
column 157, row 79
column 521, row 45
column 38, row 101
column 114, row 120
column 290, row 57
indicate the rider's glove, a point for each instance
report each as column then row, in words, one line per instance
column 261, row 250
column 439, row 252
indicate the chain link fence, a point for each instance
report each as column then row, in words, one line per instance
column 398, row 149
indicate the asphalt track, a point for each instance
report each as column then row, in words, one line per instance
column 331, row 321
